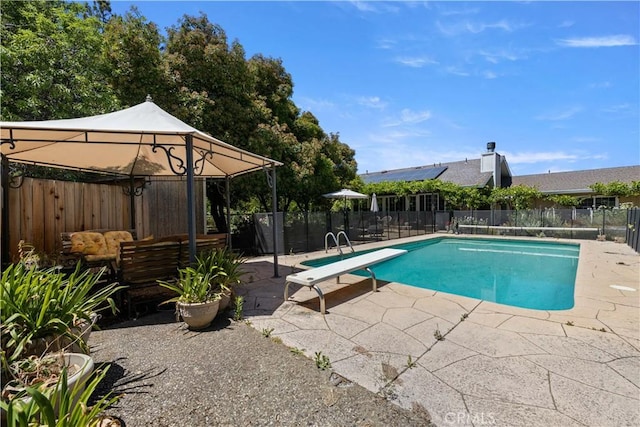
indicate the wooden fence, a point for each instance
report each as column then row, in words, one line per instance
column 39, row 210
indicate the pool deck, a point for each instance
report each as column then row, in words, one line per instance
column 493, row 364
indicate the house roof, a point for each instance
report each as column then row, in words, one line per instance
column 577, row 182
column 465, row 173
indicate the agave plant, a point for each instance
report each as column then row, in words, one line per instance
column 40, row 304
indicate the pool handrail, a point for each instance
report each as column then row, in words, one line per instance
column 336, row 240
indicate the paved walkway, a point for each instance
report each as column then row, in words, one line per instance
column 493, row 364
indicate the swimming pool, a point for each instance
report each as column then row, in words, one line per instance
column 528, row 274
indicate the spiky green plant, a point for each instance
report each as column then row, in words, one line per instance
column 224, row 264
column 59, row 405
column 192, row 286
column 38, row 304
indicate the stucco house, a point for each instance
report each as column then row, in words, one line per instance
column 576, row 184
column 492, row 170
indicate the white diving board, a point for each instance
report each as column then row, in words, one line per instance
column 312, row 277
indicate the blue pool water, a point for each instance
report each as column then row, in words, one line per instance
column 538, row 275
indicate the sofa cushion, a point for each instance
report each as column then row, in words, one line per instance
column 113, row 239
column 88, row 243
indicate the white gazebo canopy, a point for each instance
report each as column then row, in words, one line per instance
column 143, row 140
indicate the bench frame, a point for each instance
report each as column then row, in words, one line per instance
column 312, row 277
column 143, row 263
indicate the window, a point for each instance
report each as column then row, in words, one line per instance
column 597, row 201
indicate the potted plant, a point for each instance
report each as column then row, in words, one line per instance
column 197, row 304
column 44, row 372
column 65, row 402
column 227, row 268
column 45, row 311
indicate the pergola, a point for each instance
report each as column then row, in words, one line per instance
column 143, row 140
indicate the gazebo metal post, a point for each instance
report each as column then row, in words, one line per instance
column 132, row 201
column 4, row 173
column 274, row 202
column 228, row 198
column 191, row 205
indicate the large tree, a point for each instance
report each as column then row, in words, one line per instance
column 133, row 60
column 51, row 62
column 93, row 62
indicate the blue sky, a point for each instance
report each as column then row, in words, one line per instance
column 555, row 84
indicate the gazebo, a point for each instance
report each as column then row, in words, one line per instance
column 143, row 140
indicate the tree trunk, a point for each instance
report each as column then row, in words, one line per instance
column 217, row 201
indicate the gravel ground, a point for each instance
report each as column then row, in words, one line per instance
column 228, row 375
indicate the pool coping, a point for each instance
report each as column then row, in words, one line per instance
column 469, row 361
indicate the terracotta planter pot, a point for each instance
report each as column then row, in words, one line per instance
column 198, row 315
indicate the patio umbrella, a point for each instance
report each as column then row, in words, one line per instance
column 345, row 194
column 374, row 203
column 143, row 140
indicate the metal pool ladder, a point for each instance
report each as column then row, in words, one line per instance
column 336, row 240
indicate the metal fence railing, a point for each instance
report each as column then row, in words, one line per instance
column 305, row 231
column 610, row 224
column 633, row 229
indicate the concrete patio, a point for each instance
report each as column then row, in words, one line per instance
column 467, row 361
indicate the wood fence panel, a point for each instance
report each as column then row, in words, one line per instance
column 51, row 216
column 96, row 208
column 40, row 210
column 37, row 206
column 14, row 220
column 87, row 211
column 69, row 209
column 105, row 208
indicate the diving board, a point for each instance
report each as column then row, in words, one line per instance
column 312, row 277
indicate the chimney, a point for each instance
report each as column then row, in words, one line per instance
column 490, row 162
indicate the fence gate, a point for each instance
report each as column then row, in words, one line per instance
column 633, row 229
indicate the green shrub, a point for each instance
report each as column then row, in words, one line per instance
column 37, row 304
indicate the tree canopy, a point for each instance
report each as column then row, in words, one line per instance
column 93, row 62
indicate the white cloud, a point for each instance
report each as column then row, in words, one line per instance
column 560, row 115
column 604, row 41
column 600, row 85
column 310, row 104
column 406, row 154
column 415, row 62
column 386, row 44
column 364, row 6
column 476, row 27
column 489, row 75
column 456, row 71
column 566, row 24
column 497, row 56
column 454, row 12
column 396, row 136
column 585, row 139
column 371, row 102
column 531, row 157
column 620, row 108
column 375, row 7
column 407, row 116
